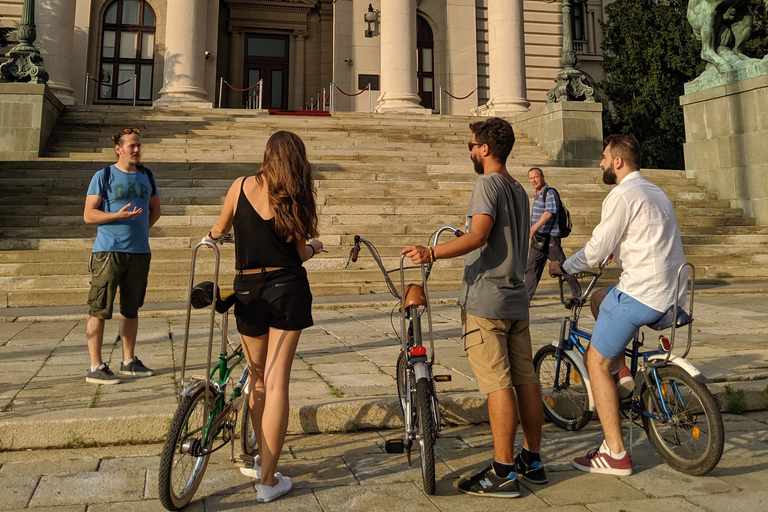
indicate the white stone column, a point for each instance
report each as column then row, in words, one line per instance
column 236, row 59
column 506, row 55
column 184, row 66
column 55, row 24
column 299, row 36
column 399, row 92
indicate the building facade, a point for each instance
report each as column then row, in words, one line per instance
column 419, row 56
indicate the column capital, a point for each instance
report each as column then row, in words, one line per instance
column 236, row 30
column 300, row 34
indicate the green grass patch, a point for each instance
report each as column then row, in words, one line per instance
column 736, row 400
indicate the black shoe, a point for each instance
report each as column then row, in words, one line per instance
column 533, row 473
column 102, row 375
column 488, row 483
column 137, row 368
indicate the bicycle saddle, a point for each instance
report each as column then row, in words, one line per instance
column 665, row 322
column 202, row 296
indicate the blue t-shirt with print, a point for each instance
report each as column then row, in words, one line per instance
column 123, row 235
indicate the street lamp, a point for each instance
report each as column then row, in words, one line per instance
column 369, row 17
column 572, row 85
column 25, row 64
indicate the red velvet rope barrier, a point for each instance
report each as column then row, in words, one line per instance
column 347, row 94
column 457, row 98
column 241, row 90
column 110, row 85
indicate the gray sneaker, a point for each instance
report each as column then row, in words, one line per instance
column 137, row 368
column 102, row 375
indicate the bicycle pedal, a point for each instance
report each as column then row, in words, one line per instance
column 442, row 378
column 394, row 446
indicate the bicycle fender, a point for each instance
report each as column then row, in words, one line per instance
column 194, row 386
column 680, row 362
column 420, row 371
column 579, row 361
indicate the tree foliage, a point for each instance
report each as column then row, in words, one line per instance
column 649, row 53
column 757, row 46
column 4, row 36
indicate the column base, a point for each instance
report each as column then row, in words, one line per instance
column 403, row 102
column 63, row 92
column 183, row 96
column 506, row 106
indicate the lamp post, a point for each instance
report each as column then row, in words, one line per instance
column 572, row 85
column 25, row 64
column 369, row 17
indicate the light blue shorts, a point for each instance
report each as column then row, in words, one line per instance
column 619, row 319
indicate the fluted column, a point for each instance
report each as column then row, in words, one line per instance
column 56, row 32
column 236, row 56
column 506, row 55
column 399, row 92
column 299, row 36
column 184, row 66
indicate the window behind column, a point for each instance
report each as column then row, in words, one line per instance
column 127, row 49
column 425, row 46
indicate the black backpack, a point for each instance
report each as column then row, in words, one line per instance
column 107, row 173
column 563, row 216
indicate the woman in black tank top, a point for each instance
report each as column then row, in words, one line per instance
column 274, row 215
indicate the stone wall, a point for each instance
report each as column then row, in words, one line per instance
column 27, row 115
column 726, row 132
column 571, row 132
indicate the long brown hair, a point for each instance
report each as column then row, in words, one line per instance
column 291, row 188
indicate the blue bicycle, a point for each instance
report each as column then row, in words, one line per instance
column 678, row 413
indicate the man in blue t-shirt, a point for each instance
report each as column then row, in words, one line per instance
column 123, row 201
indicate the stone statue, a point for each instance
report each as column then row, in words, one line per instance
column 722, row 26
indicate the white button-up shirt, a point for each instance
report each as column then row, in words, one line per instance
column 638, row 225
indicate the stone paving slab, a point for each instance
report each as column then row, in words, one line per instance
column 343, row 376
column 350, row 471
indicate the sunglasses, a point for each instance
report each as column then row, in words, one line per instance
column 128, row 131
column 470, row 145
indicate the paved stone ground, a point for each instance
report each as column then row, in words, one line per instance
column 343, row 377
column 351, row 472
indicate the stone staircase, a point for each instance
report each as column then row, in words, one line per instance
column 391, row 179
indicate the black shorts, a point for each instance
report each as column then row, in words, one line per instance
column 279, row 299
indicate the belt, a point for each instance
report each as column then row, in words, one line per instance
column 262, row 270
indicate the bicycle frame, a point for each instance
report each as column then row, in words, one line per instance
column 220, row 408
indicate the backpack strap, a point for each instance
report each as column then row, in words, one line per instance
column 104, row 197
column 151, row 179
column 544, row 200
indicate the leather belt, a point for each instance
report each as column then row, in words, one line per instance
column 250, row 271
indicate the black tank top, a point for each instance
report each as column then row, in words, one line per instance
column 257, row 244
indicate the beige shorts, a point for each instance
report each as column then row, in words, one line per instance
column 499, row 352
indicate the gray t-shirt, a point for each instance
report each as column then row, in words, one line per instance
column 493, row 285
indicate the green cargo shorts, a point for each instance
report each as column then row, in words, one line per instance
column 113, row 270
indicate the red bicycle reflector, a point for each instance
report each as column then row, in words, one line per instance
column 418, row 351
column 664, row 342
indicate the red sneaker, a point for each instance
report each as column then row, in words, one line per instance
column 625, row 384
column 599, row 461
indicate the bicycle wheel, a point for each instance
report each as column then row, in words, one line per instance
column 247, row 434
column 563, row 389
column 427, row 433
column 401, row 380
column 692, row 440
column 181, row 465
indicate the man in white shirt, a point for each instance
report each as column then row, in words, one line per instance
column 638, row 226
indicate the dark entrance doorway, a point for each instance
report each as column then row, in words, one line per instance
column 266, row 57
column 425, row 47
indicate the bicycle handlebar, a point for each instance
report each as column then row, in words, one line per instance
column 582, row 299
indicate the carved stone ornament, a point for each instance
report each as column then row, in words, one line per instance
column 571, row 84
column 25, row 64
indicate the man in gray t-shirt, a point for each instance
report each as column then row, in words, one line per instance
column 494, row 315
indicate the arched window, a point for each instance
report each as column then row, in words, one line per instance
column 425, row 46
column 127, row 49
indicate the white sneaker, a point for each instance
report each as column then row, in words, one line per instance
column 272, row 492
column 256, row 471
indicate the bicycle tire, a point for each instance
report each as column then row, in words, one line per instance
column 402, row 375
column 180, row 470
column 427, row 433
column 692, row 442
column 566, row 403
column 247, row 434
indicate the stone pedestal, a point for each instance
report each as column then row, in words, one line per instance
column 726, row 133
column 27, row 115
column 399, row 91
column 570, row 132
column 56, row 32
column 506, row 56
column 184, row 65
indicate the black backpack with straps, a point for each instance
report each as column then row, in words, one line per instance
column 563, row 216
